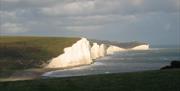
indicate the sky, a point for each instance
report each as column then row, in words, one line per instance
column 152, row 21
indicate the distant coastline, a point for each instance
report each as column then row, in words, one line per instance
column 84, row 51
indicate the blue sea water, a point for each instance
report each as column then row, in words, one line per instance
column 127, row 61
column 154, row 54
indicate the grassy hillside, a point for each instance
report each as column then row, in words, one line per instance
column 166, row 80
column 30, row 52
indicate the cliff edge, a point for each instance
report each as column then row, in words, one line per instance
column 81, row 53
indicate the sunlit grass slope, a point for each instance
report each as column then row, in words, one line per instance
column 30, row 52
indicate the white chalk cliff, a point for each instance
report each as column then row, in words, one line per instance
column 78, row 54
column 82, row 53
column 103, row 49
column 98, row 51
column 95, row 51
column 141, row 47
column 111, row 49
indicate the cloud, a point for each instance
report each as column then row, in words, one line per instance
column 90, row 7
column 81, row 7
column 99, row 20
column 12, row 28
column 121, row 19
column 137, row 2
column 84, row 28
column 5, row 15
column 10, row 0
column 78, row 7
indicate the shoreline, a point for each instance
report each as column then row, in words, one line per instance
column 37, row 73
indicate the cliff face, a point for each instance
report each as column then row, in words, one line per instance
column 82, row 53
column 103, row 49
column 141, row 47
column 111, row 49
column 78, row 54
column 95, row 51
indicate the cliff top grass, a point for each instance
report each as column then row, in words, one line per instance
column 20, row 52
column 162, row 80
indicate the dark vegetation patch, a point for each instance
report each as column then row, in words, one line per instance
column 166, row 80
column 175, row 64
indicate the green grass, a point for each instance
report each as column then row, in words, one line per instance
column 166, row 80
column 30, row 52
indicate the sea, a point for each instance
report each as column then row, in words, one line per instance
column 126, row 61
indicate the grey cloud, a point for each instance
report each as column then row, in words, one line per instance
column 121, row 20
column 76, row 7
column 87, row 7
column 12, row 28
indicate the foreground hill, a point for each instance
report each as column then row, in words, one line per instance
column 166, row 80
